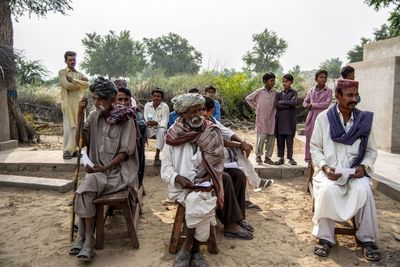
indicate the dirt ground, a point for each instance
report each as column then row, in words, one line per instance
column 35, row 224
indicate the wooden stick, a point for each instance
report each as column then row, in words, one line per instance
column 79, row 133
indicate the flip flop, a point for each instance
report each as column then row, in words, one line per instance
column 371, row 251
column 322, row 248
column 86, row 254
column 245, row 225
column 266, row 183
column 245, row 235
column 198, row 260
column 251, row 205
column 77, row 247
column 182, row 259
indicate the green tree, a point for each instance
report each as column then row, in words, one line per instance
column 173, row 55
column 356, row 53
column 332, row 66
column 382, row 33
column 394, row 18
column 9, row 9
column 265, row 54
column 113, row 55
column 30, row 71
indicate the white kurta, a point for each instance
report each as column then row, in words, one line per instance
column 185, row 160
column 333, row 201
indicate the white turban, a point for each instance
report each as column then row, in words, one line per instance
column 183, row 102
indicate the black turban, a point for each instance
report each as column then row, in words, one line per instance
column 103, row 88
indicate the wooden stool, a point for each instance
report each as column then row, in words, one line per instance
column 178, row 234
column 129, row 202
column 349, row 228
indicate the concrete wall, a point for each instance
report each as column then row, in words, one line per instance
column 396, row 108
column 382, row 49
column 4, row 120
column 377, row 95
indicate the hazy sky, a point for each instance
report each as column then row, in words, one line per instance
column 220, row 29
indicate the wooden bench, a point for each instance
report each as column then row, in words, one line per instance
column 346, row 228
column 129, row 201
column 178, row 234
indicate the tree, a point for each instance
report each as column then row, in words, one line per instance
column 356, row 54
column 332, row 66
column 30, row 71
column 265, row 54
column 19, row 129
column 394, row 18
column 113, row 55
column 173, row 55
column 382, row 33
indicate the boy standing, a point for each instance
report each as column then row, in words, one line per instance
column 263, row 101
column 210, row 92
column 317, row 100
column 286, row 120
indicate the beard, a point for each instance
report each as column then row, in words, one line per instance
column 195, row 122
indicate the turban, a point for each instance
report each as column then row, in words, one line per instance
column 121, row 83
column 344, row 84
column 183, row 102
column 105, row 89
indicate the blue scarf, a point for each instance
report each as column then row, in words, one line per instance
column 360, row 130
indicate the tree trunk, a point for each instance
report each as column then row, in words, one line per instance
column 19, row 129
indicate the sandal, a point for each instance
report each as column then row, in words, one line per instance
column 266, row 183
column 245, row 225
column 251, row 205
column 244, row 234
column 322, row 248
column 77, row 247
column 371, row 251
column 292, row 162
column 268, row 161
column 86, row 254
column 279, row 162
column 182, row 259
column 258, row 160
column 198, row 260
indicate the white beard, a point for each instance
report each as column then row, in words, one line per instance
column 195, row 124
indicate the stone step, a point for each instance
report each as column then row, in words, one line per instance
column 60, row 185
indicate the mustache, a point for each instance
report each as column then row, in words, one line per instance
column 351, row 103
column 196, row 119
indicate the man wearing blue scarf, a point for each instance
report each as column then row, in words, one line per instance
column 342, row 139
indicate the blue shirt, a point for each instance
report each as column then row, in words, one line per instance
column 172, row 118
column 217, row 110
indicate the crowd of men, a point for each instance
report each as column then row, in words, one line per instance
column 206, row 164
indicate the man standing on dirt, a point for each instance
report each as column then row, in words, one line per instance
column 73, row 84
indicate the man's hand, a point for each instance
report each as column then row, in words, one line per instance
column 151, row 123
column 202, row 179
column 246, row 147
column 69, row 79
column 330, row 173
column 95, row 168
column 184, row 182
column 85, row 79
column 308, row 106
column 83, row 103
column 360, row 172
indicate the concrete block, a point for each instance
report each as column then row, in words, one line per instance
column 12, row 167
column 293, row 172
column 66, row 168
column 272, row 172
column 31, row 168
column 47, row 168
column 60, row 185
column 10, row 144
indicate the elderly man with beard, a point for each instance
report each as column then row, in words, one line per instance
column 110, row 137
column 193, row 161
column 342, row 141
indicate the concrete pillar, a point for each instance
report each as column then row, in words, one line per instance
column 5, row 142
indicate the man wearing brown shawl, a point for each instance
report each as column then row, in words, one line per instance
column 110, row 137
column 193, row 162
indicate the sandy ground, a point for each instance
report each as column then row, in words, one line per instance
column 34, row 231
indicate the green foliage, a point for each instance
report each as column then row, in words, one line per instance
column 394, row 18
column 356, row 53
column 113, row 55
column 265, row 54
column 39, row 7
column 332, row 66
column 172, row 54
column 30, row 71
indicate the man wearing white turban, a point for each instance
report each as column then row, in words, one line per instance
column 192, row 165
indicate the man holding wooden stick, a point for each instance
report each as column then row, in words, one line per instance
column 110, row 137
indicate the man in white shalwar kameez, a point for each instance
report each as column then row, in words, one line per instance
column 342, row 138
column 193, row 158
